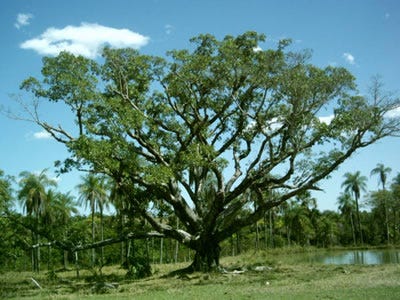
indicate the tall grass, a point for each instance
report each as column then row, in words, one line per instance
column 273, row 274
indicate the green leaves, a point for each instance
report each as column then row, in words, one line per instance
column 5, row 191
column 70, row 78
column 225, row 95
column 129, row 73
column 221, row 119
column 33, row 193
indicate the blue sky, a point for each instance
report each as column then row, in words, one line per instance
column 363, row 36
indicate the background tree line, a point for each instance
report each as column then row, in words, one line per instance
column 363, row 218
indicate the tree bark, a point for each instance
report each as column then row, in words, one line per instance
column 207, row 256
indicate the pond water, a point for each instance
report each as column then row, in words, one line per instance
column 362, row 257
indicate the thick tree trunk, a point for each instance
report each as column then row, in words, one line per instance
column 207, row 256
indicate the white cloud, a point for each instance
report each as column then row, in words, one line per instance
column 327, row 120
column 394, row 113
column 169, row 29
column 87, row 40
column 274, row 124
column 23, row 20
column 42, row 135
column 270, row 126
column 257, row 49
column 349, row 58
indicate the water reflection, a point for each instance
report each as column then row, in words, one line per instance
column 363, row 257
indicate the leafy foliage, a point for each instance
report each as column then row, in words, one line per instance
column 223, row 112
column 5, row 191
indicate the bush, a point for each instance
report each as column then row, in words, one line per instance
column 139, row 267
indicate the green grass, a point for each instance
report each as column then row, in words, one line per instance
column 284, row 278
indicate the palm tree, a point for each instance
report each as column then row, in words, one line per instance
column 93, row 192
column 122, row 206
column 382, row 173
column 49, row 219
column 62, row 208
column 355, row 183
column 34, row 197
column 346, row 206
column 298, row 223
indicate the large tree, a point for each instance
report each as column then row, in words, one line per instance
column 224, row 112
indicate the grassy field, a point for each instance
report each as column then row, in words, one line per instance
column 262, row 275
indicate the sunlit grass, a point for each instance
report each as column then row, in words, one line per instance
column 283, row 276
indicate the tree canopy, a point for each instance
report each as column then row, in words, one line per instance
column 199, row 129
column 5, row 191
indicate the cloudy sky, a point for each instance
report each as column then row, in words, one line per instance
column 362, row 36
